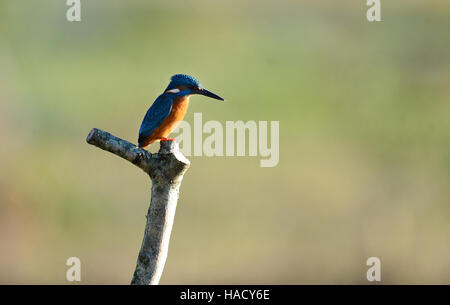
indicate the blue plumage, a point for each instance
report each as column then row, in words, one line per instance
column 155, row 115
column 183, row 80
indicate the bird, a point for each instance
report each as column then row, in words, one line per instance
column 169, row 109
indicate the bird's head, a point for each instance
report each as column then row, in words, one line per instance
column 182, row 85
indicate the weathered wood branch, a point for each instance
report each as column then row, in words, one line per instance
column 166, row 170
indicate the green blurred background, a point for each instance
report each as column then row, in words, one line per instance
column 364, row 140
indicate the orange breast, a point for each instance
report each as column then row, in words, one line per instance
column 179, row 109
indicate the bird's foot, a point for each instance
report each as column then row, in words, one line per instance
column 167, row 139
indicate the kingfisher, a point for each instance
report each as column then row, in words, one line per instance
column 169, row 109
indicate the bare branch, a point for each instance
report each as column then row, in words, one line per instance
column 166, row 169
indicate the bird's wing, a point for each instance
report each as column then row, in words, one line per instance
column 155, row 115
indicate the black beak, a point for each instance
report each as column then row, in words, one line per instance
column 209, row 94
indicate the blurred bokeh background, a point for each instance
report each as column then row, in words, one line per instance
column 364, row 111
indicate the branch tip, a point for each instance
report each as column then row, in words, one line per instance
column 91, row 135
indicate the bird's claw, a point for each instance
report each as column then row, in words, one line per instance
column 167, row 139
